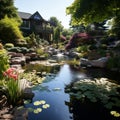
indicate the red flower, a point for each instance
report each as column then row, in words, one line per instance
column 11, row 73
column 14, row 76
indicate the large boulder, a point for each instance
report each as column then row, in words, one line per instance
column 101, row 62
column 18, row 60
column 25, row 86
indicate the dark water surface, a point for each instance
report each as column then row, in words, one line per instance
column 52, row 91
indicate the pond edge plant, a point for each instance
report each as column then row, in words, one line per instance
column 11, row 84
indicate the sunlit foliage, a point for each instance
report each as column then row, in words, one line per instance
column 89, row 11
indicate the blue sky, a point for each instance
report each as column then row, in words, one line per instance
column 47, row 8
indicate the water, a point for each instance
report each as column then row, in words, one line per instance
column 52, row 92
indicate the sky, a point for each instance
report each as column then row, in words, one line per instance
column 46, row 8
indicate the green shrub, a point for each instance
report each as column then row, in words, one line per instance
column 40, row 51
column 9, row 45
column 4, row 62
column 31, row 40
column 83, row 48
column 14, row 49
column 22, row 43
column 9, row 30
column 24, row 50
column 114, row 62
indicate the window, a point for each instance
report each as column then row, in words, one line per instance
column 26, row 24
column 36, row 17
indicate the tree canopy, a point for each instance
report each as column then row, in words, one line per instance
column 55, row 22
column 9, row 22
column 58, row 27
column 7, row 8
column 89, row 11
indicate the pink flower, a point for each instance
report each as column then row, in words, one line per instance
column 14, row 76
column 11, row 73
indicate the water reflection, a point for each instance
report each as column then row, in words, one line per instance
column 53, row 93
column 63, row 106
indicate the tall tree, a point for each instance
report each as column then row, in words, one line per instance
column 89, row 11
column 58, row 28
column 57, row 35
column 7, row 8
column 56, row 23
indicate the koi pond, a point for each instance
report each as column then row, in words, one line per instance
column 52, row 102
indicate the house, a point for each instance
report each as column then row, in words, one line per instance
column 34, row 23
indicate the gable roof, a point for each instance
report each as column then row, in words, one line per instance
column 24, row 15
column 36, row 16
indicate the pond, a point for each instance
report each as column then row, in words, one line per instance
column 52, row 94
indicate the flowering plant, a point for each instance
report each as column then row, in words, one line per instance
column 12, row 85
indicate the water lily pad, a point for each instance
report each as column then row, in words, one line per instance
column 115, row 113
column 42, row 101
column 27, row 101
column 112, row 112
column 30, row 109
column 46, row 106
column 38, row 110
column 36, row 103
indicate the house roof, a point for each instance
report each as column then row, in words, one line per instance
column 24, row 15
column 36, row 16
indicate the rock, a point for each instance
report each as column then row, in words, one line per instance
column 3, row 101
column 23, row 84
column 17, row 66
column 12, row 54
column 52, row 61
column 20, row 112
column 19, row 55
column 20, row 118
column 101, row 62
column 31, row 56
column 7, row 116
column 84, row 62
column 26, row 88
column 18, row 60
column 74, row 54
column 28, row 94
